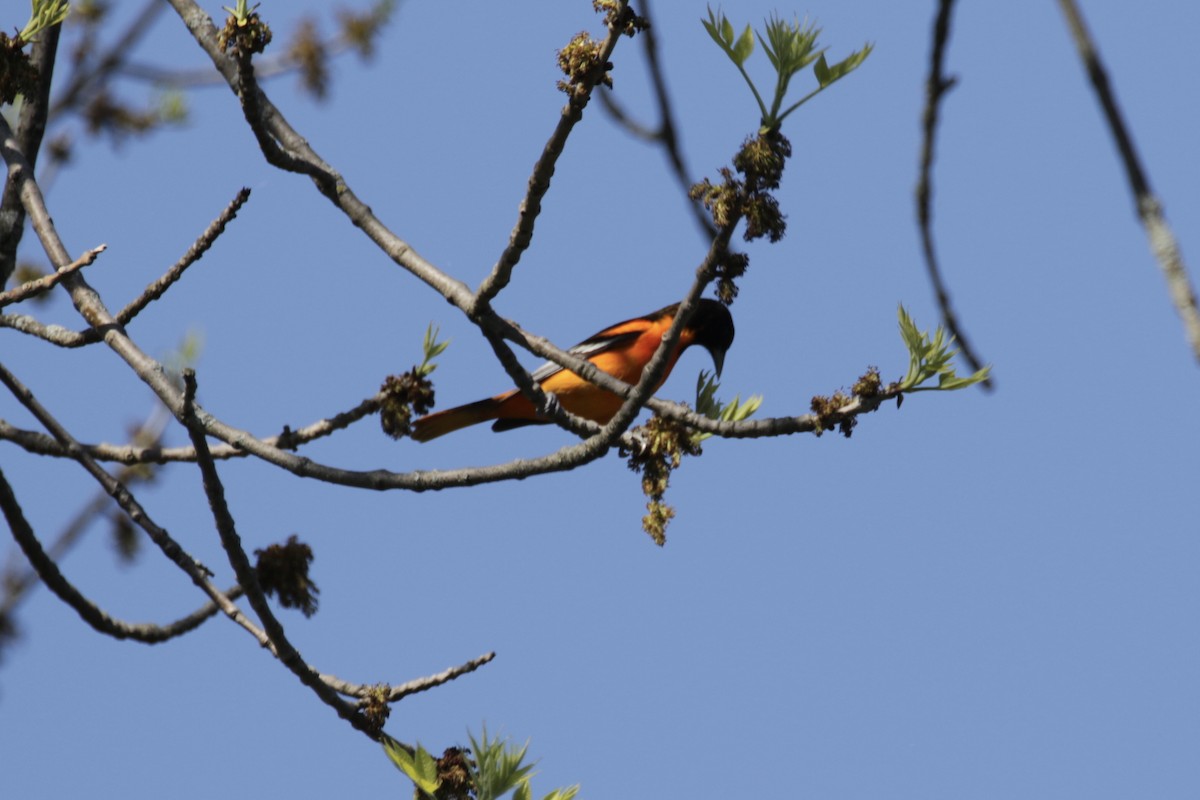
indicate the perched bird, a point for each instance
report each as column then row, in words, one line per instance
column 621, row 350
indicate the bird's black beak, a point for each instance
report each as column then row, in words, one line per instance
column 718, row 357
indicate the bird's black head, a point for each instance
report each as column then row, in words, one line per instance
column 713, row 326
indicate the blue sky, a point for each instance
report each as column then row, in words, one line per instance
column 978, row 595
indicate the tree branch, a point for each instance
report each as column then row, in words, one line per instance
column 194, row 253
column 1149, row 209
column 397, row 693
column 89, row 612
column 43, row 284
column 539, row 181
column 936, row 86
column 287, row 654
column 54, row 334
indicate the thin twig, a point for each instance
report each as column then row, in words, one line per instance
column 936, row 86
column 543, row 171
column 89, row 612
column 194, row 253
column 397, row 693
column 39, row 285
column 1149, row 210
column 423, row 684
column 623, row 118
column 54, row 334
column 246, row 575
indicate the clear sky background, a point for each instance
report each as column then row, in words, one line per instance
column 977, row 596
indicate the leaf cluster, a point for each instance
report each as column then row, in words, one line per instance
column 431, row 348
column 790, row 47
column 708, row 404
column 45, row 13
column 496, row 767
column 929, row 357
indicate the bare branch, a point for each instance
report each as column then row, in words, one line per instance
column 539, row 181
column 54, row 334
column 1149, row 209
column 36, row 287
column 194, row 253
column 247, row 577
column 397, row 693
column 625, row 120
column 89, row 612
column 936, row 86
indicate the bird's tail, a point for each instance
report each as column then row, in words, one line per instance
column 452, row 419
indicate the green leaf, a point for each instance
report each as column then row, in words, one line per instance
column 737, row 411
column 420, row 767
column 726, row 32
column 848, row 64
column 744, row 47
column 950, row 382
column 720, row 29
column 821, row 70
column 563, row 794
column 523, row 792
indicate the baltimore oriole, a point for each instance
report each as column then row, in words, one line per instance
column 621, row 350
